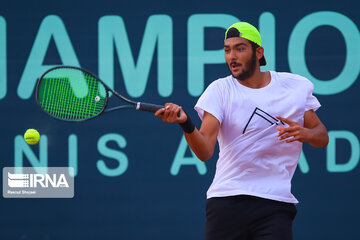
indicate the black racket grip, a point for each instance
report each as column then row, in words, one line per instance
column 149, row 107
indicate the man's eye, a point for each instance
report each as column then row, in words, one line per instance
column 226, row 50
column 241, row 49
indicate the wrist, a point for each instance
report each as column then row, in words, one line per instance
column 188, row 126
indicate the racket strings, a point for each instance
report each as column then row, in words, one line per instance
column 58, row 96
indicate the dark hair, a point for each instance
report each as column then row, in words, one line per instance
column 254, row 46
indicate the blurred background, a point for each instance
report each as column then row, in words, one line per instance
column 135, row 176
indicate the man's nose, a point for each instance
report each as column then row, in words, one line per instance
column 232, row 54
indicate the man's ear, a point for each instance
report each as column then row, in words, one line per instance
column 259, row 52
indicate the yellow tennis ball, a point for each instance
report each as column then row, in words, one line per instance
column 32, row 136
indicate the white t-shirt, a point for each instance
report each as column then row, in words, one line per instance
column 252, row 160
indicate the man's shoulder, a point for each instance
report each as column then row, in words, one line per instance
column 287, row 78
column 291, row 76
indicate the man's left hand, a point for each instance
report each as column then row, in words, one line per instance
column 295, row 132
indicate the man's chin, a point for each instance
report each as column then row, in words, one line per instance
column 239, row 76
column 235, row 74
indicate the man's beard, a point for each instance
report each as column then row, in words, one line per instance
column 249, row 68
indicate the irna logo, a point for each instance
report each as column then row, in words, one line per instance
column 36, row 180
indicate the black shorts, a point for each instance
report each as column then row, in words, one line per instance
column 246, row 217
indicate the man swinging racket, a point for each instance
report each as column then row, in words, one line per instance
column 260, row 120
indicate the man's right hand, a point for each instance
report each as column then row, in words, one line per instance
column 170, row 113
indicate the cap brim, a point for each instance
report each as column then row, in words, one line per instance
column 262, row 61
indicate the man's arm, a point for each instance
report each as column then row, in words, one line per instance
column 313, row 132
column 202, row 141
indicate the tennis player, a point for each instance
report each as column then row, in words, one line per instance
column 260, row 120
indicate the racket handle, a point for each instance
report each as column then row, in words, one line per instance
column 149, row 107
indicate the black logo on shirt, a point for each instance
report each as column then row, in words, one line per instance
column 270, row 119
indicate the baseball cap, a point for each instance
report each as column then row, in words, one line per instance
column 247, row 31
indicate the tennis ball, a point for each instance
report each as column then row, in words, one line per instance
column 32, row 136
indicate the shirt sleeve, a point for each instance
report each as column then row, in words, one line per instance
column 312, row 103
column 211, row 101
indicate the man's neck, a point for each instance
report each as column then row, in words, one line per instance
column 257, row 80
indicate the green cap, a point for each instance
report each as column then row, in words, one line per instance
column 247, row 31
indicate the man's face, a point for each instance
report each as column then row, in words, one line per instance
column 240, row 57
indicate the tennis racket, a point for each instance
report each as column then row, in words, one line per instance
column 74, row 94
